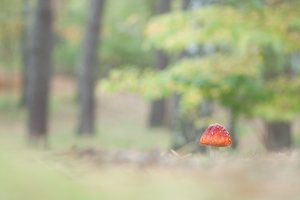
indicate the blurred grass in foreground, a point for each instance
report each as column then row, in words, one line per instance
column 27, row 178
column 30, row 174
column 27, row 174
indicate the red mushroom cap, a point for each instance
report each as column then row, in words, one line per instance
column 215, row 135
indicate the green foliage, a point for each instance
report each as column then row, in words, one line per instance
column 237, row 28
column 122, row 34
column 251, row 44
column 70, row 18
column 11, row 25
column 284, row 104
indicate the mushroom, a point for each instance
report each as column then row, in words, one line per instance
column 215, row 135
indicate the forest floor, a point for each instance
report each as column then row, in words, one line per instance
column 126, row 160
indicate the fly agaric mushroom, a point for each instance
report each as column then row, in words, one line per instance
column 215, row 135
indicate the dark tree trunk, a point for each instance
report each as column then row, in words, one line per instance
column 161, row 60
column 184, row 132
column 40, row 70
column 177, row 137
column 232, row 130
column 278, row 135
column 158, row 108
column 163, row 6
column 87, row 73
column 185, row 4
column 157, row 113
column 25, row 51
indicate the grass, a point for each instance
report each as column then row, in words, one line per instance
column 31, row 174
column 24, row 177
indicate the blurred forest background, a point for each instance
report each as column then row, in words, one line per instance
column 101, row 96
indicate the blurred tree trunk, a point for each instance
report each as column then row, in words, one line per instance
column 25, row 48
column 40, row 70
column 184, row 132
column 158, row 108
column 232, row 130
column 176, row 125
column 87, row 72
column 185, row 4
column 277, row 135
column 178, row 139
